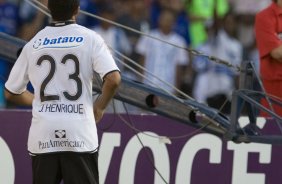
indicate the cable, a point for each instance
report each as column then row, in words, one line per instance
column 142, row 144
column 158, row 137
column 195, row 52
column 140, row 74
column 136, row 131
column 150, row 73
column 262, row 93
column 43, row 9
column 212, row 58
column 170, row 137
column 140, row 141
column 127, row 58
column 192, row 51
column 220, row 109
column 266, row 96
column 131, row 125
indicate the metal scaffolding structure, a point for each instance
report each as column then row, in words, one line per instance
column 187, row 111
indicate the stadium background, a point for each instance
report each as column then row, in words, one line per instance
column 215, row 159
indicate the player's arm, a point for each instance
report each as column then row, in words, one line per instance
column 110, row 86
column 268, row 42
column 277, row 53
column 24, row 99
column 15, row 86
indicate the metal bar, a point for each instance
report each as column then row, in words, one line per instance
column 258, row 105
column 267, row 139
column 252, row 93
column 236, row 107
column 150, row 98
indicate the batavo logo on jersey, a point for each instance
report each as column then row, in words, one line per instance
column 59, row 42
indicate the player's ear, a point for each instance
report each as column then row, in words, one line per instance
column 76, row 11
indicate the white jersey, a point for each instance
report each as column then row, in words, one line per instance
column 162, row 59
column 60, row 63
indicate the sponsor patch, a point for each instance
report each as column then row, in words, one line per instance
column 59, row 42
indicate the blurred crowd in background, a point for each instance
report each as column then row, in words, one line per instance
column 221, row 28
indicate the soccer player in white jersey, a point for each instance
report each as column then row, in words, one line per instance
column 163, row 60
column 60, row 62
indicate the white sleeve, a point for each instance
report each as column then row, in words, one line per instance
column 141, row 47
column 182, row 55
column 103, row 62
column 124, row 43
column 239, row 55
column 18, row 77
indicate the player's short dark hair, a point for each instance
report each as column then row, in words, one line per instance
column 62, row 10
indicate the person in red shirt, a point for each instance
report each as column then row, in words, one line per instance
column 268, row 30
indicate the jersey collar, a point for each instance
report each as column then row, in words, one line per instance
column 61, row 23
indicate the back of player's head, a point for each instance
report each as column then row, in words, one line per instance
column 62, row 10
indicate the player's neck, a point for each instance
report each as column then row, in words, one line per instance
column 62, row 22
column 71, row 20
column 55, row 23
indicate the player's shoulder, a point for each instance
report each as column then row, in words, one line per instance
column 267, row 16
column 154, row 32
column 81, row 30
column 177, row 38
column 39, row 34
column 34, row 39
column 266, row 12
column 91, row 33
